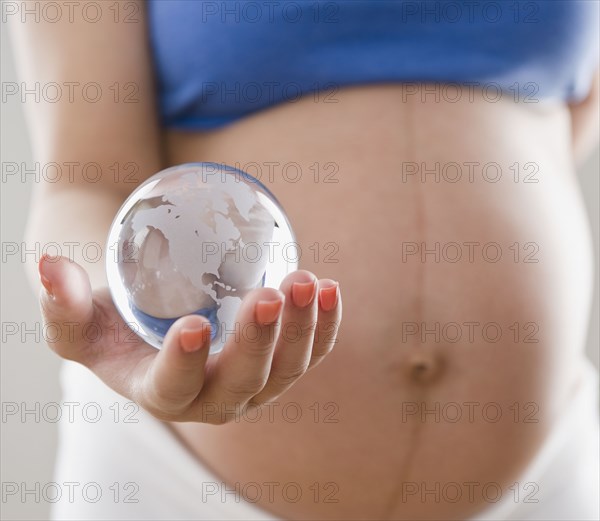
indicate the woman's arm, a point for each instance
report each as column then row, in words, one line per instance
column 178, row 381
column 585, row 122
column 115, row 137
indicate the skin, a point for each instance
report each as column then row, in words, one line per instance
column 375, row 371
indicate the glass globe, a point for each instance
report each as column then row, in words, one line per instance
column 195, row 239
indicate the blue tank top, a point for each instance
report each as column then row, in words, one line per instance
column 217, row 61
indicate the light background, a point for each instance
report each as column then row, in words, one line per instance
column 29, row 369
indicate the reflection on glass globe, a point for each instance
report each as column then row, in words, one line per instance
column 195, row 239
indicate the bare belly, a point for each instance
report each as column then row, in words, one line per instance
column 465, row 301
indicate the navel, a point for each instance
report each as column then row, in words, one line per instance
column 424, row 366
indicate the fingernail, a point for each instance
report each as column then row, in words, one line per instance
column 49, row 258
column 43, row 279
column 268, row 311
column 328, row 297
column 193, row 339
column 46, row 283
column 303, row 293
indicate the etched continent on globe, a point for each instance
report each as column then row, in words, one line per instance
column 196, row 239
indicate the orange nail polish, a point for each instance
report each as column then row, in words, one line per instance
column 194, row 339
column 49, row 258
column 268, row 311
column 43, row 279
column 47, row 285
column 328, row 297
column 303, row 293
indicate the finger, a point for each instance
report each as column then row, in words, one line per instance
column 176, row 373
column 294, row 346
column 330, row 315
column 243, row 366
column 66, row 305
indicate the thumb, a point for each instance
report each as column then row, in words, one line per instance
column 66, row 304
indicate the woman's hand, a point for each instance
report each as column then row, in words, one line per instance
column 293, row 329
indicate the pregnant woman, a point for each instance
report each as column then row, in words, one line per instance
column 425, row 153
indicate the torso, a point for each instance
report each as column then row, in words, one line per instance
column 363, row 465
